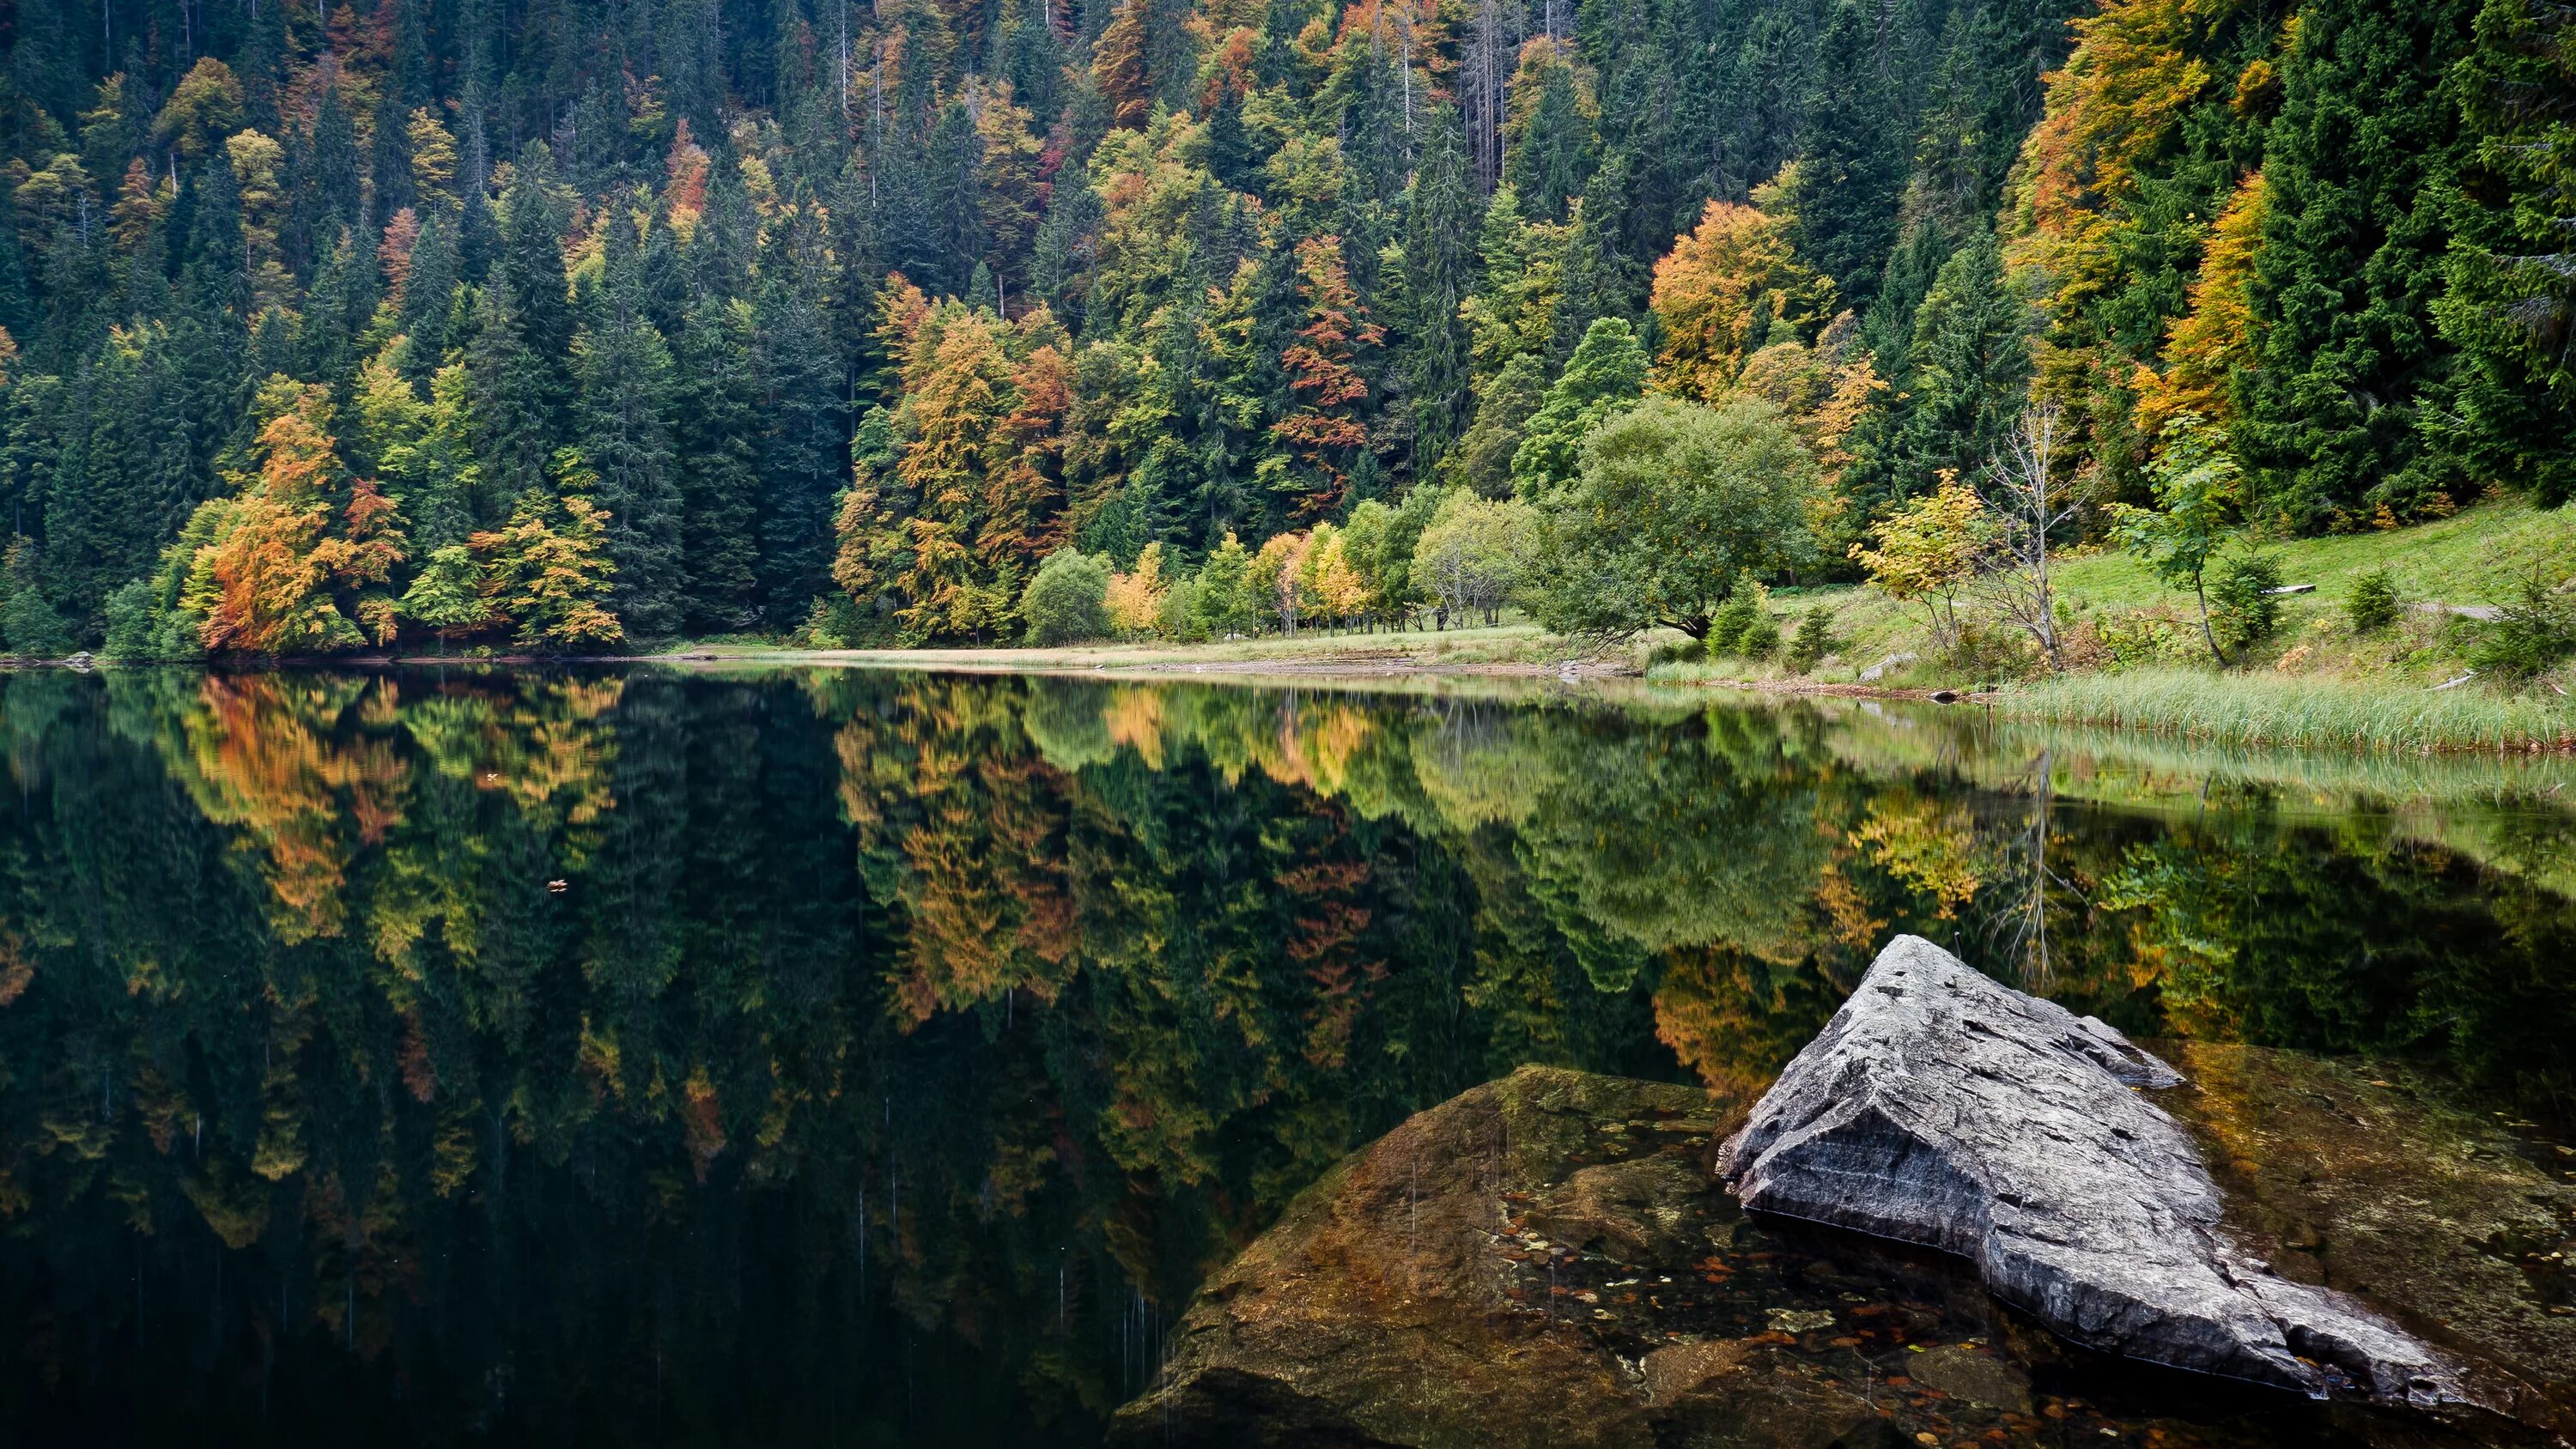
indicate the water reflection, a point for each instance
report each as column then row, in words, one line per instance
column 866, row 1058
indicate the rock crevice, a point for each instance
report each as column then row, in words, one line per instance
column 1944, row 1108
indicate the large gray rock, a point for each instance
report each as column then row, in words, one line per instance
column 1944, row 1108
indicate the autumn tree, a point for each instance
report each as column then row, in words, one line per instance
column 1722, row 290
column 1323, row 430
column 300, row 560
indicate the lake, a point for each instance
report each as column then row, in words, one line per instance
column 873, row 1058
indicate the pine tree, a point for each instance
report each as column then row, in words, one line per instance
column 1968, row 370
column 2356, row 170
column 622, row 434
column 1438, row 276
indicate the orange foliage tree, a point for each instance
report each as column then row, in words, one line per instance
column 1322, row 430
column 971, row 501
column 301, row 560
column 1716, row 288
column 2209, row 342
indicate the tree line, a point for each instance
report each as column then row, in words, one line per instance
column 569, row 326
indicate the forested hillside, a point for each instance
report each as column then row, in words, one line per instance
column 560, row 323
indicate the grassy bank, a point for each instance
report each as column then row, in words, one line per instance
column 2315, row 684
column 1516, row 647
column 2299, row 713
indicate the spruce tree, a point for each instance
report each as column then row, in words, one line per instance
column 1606, row 376
column 513, row 408
column 2356, row 170
column 1853, row 163
column 1438, row 275
column 622, row 433
column 1968, row 369
column 803, row 449
column 2510, row 307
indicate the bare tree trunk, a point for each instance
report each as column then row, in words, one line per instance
column 2022, row 488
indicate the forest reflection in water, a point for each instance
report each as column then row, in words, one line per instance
column 871, row 1058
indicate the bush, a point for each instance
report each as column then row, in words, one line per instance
column 1068, row 601
column 2373, row 604
column 33, row 627
column 2144, row 637
column 2243, row 610
column 1815, row 640
column 1744, row 605
column 1761, row 638
column 2536, row 631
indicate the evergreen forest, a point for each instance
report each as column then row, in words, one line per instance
column 574, row 325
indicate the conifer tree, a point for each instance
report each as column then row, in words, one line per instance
column 624, row 441
column 1437, row 278
column 2355, row 170
column 803, row 452
column 1853, row 162
column 2510, row 304
column 1605, row 377
column 716, row 409
column 1968, row 368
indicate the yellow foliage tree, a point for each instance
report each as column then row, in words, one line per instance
column 547, row 572
column 1136, row 597
column 2209, row 342
column 266, row 583
column 1717, row 289
column 2127, row 84
column 1927, row 552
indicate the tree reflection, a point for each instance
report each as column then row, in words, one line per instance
column 655, row 1057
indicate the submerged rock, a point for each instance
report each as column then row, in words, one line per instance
column 1943, row 1108
column 1548, row 1260
column 2377, row 1179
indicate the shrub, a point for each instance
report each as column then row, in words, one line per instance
column 1761, row 638
column 2373, row 604
column 2142, row 637
column 2243, row 610
column 1068, row 601
column 2536, row 630
column 1815, row 640
column 1744, row 604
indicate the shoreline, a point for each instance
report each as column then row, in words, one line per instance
column 2237, row 710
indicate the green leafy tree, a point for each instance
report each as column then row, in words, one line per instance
column 1605, row 377
column 2198, row 490
column 447, row 594
column 1675, row 500
column 1067, row 599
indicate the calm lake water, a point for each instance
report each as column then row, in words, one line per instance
column 869, row 1058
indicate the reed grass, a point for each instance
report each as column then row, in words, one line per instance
column 2314, row 714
